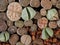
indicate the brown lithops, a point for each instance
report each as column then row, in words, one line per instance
column 52, row 24
column 28, row 23
column 37, row 16
column 3, row 16
column 21, row 31
column 10, row 1
column 24, row 3
column 58, row 4
column 3, row 25
column 14, row 11
column 43, row 12
column 35, row 3
column 42, row 22
column 54, row 2
column 9, row 23
column 3, row 5
column 33, row 28
column 46, row 4
column 12, row 29
column 13, row 39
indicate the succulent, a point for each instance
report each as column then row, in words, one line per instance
column 46, row 33
column 4, row 36
column 52, row 14
column 28, row 13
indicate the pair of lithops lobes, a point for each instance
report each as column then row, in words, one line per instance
column 4, row 36
column 14, row 12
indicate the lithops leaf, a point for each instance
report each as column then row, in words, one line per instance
column 24, row 14
column 6, row 36
column 52, row 14
column 32, row 12
column 44, row 35
column 2, row 38
column 49, row 31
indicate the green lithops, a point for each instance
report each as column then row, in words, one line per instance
column 4, row 36
column 52, row 14
column 28, row 13
column 19, row 24
column 46, row 33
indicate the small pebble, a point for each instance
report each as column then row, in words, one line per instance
column 46, row 4
column 19, row 24
column 38, row 42
column 26, row 39
column 13, row 39
column 12, row 29
column 28, row 23
column 21, row 31
column 42, row 22
column 3, row 26
column 14, row 11
column 52, row 24
column 24, row 3
column 43, row 12
column 35, row 3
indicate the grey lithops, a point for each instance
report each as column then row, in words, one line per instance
column 21, row 31
column 52, row 14
column 52, row 24
column 13, row 39
column 14, row 11
column 19, row 24
column 46, row 33
column 58, row 23
column 12, row 29
column 3, row 6
column 3, row 25
column 24, row 3
column 28, row 23
column 4, row 36
column 33, row 28
column 28, row 13
column 26, row 39
column 35, row 3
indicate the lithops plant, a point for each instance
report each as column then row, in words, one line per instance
column 3, row 25
column 3, row 5
column 42, row 22
column 19, row 24
column 46, row 33
column 28, row 13
column 4, row 36
column 52, row 14
column 14, row 11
